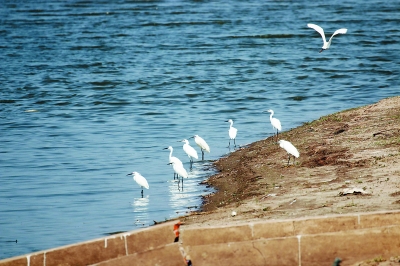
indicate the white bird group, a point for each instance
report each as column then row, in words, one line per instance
column 177, row 165
column 179, row 169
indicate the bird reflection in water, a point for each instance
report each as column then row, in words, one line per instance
column 140, row 208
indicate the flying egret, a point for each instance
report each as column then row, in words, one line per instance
column 276, row 124
column 172, row 158
column 321, row 31
column 142, row 182
column 232, row 133
column 202, row 144
column 190, row 151
column 179, row 170
column 290, row 149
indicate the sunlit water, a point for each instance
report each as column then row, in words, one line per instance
column 93, row 90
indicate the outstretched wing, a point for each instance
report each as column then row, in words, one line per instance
column 339, row 31
column 319, row 30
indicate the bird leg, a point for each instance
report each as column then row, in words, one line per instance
column 229, row 145
column 142, row 192
column 202, row 155
column 277, row 135
column 179, row 182
column 234, row 142
column 288, row 160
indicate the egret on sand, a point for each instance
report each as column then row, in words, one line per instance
column 190, row 151
column 142, row 182
column 179, row 170
column 326, row 44
column 290, row 149
column 232, row 133
column 276, row 124
column 202, row 144
column 172, row 158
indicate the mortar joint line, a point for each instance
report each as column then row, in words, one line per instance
column 299, row 238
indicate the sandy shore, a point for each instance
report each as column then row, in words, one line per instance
column 356, row 149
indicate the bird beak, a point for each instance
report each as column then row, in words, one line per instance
column 129, row 174
column 165, row 149
column 169, row 163
column 321, row 50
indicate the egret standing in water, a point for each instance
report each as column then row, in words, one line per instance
column 180, row 171
column 172, row 158
column 202, row 144
column 190, row 151
column 326, row 44
column 290, row 149
column 276, row 124
column 142, row 182
column 232, row 133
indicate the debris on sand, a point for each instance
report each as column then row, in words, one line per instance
column 353, row 191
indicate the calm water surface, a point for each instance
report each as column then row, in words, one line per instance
column 93, row 90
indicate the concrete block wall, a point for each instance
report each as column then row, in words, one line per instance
column 150, row 240
column 306, row 241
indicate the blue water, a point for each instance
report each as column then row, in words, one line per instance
column 93, row 90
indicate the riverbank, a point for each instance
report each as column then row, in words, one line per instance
column 349, row 163
column 356, row 149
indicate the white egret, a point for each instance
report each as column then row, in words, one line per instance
column 180, row 171
column 172, row 158
column 202, row 144
column 189, row 150
column 326, row 44
column 276, row 124
column 290, row 149
column 232, row 133
column 142, row 182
